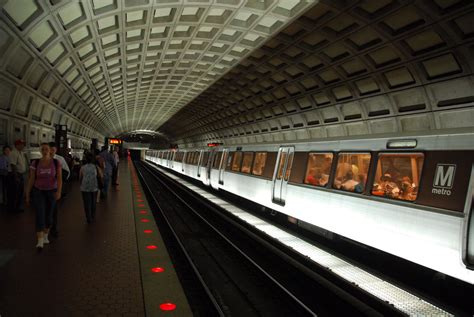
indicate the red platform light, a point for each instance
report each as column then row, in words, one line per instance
column 141, row 205
column 140, row 200
column 167, row 306
column 143, row 212
column 157, row 269
column 151, row 247
column 145, row 220
column 148, row 231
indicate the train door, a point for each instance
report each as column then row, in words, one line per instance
column 210, row 160
column 222, row 165
column 173, row 154
column 200, row 163
column 468, row 241
column 168, row 158
column 204, row 166
column 281, row 174
column 184, row 160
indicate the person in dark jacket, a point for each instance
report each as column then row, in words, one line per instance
column 109, row 164
column 88, row 176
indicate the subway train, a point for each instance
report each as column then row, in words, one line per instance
column 408, row 196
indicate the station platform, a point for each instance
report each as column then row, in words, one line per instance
column 117, row 266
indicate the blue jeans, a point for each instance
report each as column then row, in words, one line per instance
column 89, row 199
column 107, row 178
column 44, row 203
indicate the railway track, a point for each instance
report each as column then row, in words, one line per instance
column 228, row 269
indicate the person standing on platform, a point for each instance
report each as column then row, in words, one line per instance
column 64, row 178
column 44, row 186
column 109, row 164
column 117, row 161
column 99, row 162
column 19, row 165
column 88, row 178
column 5, row 171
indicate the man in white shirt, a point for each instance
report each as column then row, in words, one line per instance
column 64, row 166
column 19, row 167
column 66, row 172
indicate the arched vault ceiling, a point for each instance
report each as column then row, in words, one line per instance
column 346, row 68
column 133, row 63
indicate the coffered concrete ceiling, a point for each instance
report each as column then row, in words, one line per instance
column 345, row 69
column 123, row 65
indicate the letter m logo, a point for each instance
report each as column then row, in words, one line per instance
column 444, row 176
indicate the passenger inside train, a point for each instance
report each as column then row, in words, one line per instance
column 351, row 172
column 318, row 169
column 259, row 163
column 400, row 178
column 247, row 162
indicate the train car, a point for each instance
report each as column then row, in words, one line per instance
column 408, row 196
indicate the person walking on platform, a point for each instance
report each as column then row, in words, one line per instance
column 109, row 164
column 5, row 171
column 89, row 177
column 65, row 176
column 44, row 187
column 99, row 162
column 19, row 166
column 115, row 154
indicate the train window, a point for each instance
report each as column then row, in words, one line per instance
column 247, row 162
column 217, row 160
column 236, row 161
column 282, row 165
column 398, row 176
column 318, row 169
column 351, row 172
column 259, row 163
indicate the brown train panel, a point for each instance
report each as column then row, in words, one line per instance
column 298, row 168
column 270, row 165
column 445, row 179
